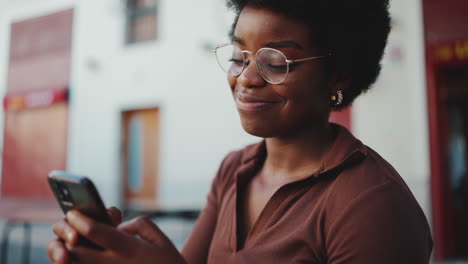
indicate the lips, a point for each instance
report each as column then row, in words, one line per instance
column 254, row 103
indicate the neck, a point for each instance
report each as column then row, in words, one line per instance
column 296, row 157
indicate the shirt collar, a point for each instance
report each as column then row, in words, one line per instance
column 345, row 150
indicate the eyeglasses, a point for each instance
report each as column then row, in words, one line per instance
column 271, row 64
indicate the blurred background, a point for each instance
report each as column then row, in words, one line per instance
column 128, row 93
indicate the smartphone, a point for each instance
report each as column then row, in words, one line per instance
column 79, row 193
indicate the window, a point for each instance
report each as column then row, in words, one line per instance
column 141, row 20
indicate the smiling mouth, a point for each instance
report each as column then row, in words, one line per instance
column 254, row 104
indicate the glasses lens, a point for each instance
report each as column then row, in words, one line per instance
column 272, row 65
column 231, row 59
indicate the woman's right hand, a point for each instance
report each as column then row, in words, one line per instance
column 135, row 241
column 57, row 249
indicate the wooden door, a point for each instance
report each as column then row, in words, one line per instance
column 140, row 158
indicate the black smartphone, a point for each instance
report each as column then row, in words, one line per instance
column 79, row 193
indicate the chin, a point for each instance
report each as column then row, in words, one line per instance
column 262, row 130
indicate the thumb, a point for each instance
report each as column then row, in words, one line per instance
column 147, row 230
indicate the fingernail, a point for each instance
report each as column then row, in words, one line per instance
column 71, row 214
column 76, row 220
column 56, row 255
column 69, row 236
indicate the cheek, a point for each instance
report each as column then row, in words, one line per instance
column 296, row 91
column 306, row 95
column 312, row 84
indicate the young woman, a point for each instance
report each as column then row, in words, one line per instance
column 309, row 192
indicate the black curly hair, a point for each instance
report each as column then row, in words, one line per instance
column 354, row 32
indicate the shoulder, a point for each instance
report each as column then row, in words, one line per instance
column 370, row 204
column 371, row 173
column 356, row 166
column 357, row 174
column 372, row 195
column 357, row 169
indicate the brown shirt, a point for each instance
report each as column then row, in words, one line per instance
column 354, row 209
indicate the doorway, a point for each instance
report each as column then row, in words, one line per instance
column 454, row 101
column 140, row 158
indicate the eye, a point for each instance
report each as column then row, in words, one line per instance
column 277, row 66
column 272, row 61
column 239, row 62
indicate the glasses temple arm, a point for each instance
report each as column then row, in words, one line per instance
column 305, row 59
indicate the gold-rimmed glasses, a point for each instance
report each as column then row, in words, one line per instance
column 271, row 63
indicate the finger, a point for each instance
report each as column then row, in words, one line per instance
column 57, row 252
column 104, row 235
column 65, row 232
column 115, row 215
column 91, row 256
column 146, row 229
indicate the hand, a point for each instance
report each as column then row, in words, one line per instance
column 121, row 244
column 57, row 250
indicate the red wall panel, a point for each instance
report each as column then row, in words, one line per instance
column 445, row 21
column 36, row 122
column 342, row 117
column 40, row 51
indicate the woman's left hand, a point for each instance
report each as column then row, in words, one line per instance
column 136, row 241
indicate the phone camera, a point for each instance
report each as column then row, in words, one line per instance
column 64, row 194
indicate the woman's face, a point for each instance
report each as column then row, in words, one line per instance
column 301, row 101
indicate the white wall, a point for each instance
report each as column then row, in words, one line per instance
column 199, row 124
column 392, row 117
column 4, row 50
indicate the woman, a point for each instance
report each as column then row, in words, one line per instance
column 310, row 192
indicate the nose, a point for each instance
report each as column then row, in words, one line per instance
column 250, row 77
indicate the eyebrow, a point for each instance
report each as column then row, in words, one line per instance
column 237, row 39
column 283, row 44
column 273, row 44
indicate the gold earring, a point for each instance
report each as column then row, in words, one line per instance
column 337, row 100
